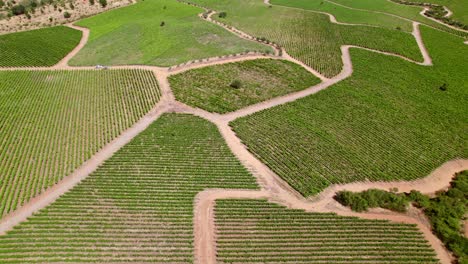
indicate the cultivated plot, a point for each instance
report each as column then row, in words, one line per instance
column 255, row 231
column 310, row 37
column 138, row 206
column 42, row 47
column 391, row 120
column 53, row 121
column 162, row 33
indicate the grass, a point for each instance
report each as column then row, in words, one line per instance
column 346, row 15
column 255, row 231
column 53, row 121
column 308, row 36
column 134, row 35
column 406, row 11
column 41, row 47
column 389, row 121
column 210, row 88
column 138, row 206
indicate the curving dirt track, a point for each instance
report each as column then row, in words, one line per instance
column 273, row 187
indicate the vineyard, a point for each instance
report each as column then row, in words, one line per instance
column 346, row 15
column 162, row 33
column 311, row 37
column 405, row 11
column 42, row 47
column 53, row 121
column 138, row 206
column 250, row 231
column 213, row 88
column 383, row 123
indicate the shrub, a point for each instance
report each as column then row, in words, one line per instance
column 18, row 10
column 236, row 84
column 443, row 87
column 162, row 24
column 2, row 3
column 66, row 15
column 91, row 2
column 103, row 3
column 222, row 15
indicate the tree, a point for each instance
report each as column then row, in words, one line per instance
column 236, row 84
column 18, row 10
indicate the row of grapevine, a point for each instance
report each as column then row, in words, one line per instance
column 311, row 37
column 41, row 47
column 255, row 231
column 53, row 121
column 138, row 206
column 389, row 121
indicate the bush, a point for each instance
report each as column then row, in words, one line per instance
column 162, row 24
column 2, row 3
column 443, row 87
column 18, row 10
column 103, row 3
column 222, row 15
column 66, row 15
column 236, row 84
column 91, row 2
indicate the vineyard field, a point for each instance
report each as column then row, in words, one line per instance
column 53, row 121
column 311, row 37
column 255, row 231
column 346, row 15
column 383, row 123
column 210, row 88
column 41, row 47
column 138, row 206
column 405, row 11
column 162, row 33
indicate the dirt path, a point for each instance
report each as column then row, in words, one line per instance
column 63, row 64
column 423, row 13
column 203, row 219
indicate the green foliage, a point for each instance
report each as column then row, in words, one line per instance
column 388, row 121
column 66, row 14
column 445, row 212
column 236, row 84
column 138, row 206
column 373, row 198
column 49, row 131
column 256, row 231
column 222, row 15
column 308, row 36
column 91, row 2
column 42, row 47
column 133, row 35
column 18, row 10
column 209, row 87
column 103, row 3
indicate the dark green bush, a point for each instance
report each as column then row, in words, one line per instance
column 222, row 15
column 18, row 10
column 103, row 3
column 66, row 15
column 236, row 84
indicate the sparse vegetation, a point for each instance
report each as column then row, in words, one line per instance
column 229, row 87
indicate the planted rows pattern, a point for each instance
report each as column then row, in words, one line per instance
column 308, row 36
column 53, row 121
column 384, row 123
column 138, row 206
column 42, row 47
column 210, row 88
column 250, row 231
